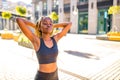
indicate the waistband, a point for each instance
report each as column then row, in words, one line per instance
column 40, row 72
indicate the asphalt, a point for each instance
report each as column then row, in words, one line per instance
column 81, row 57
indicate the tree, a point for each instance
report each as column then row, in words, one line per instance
column 54, row 17
column 6, row 15
column 114, row 34
column 21, row 10
column 114, row 10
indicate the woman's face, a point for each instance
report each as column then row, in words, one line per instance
column 46, row 25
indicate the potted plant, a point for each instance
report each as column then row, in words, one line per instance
column 6, row 34
column 114, row 33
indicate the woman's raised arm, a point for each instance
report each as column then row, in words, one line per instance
column 29, row 23
column 66, row 28
column 23, row 25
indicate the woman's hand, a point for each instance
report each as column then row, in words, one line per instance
column 66, row 28
column 29, row 23
column 61, row 25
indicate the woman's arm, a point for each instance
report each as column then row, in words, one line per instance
column 66, row 28
column 23, row 25
column 29, row 23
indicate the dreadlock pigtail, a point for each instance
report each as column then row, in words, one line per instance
column 36, row 30
column 37, row 33
column 38, row 25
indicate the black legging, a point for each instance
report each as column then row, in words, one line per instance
column 47, row 76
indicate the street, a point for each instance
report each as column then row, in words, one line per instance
column 20, row 63
column 80, row 57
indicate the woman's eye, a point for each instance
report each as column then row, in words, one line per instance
column 44, row 23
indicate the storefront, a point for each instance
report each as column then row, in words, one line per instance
column 104, row 22
column 83, row 23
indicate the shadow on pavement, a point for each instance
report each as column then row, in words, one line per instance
column 81, row 54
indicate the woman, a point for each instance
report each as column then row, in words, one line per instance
column 44, row 44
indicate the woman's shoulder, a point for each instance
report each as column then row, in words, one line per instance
column 55, row 38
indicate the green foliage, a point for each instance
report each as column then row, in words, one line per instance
column 83, row 22
column 54, row 16
column 21, row 10
column 114, row 10
column 24, row 41
column 6, row 15
column 23, row 38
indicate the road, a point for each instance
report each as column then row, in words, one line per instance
column 19, row 63
column 80, row 58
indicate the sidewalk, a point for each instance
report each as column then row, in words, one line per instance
column 81, row 57
column 86, row 56
column 20, row 63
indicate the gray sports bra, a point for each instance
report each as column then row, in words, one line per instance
column 47, row 55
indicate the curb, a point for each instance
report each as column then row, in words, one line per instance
column 105, row 37
column 102, row 37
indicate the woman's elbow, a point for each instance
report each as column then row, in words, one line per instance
column 70, row 23
column 18, row 19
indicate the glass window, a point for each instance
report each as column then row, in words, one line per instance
column 44, row 5
column 83, row 23
column 102, row 0
column 55, row 3
column 104, row 21
column 83, row 0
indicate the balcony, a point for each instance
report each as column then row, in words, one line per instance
column 66, row 7
column 55, row 8
column 104, row 3
column 82, row 6
column 44, row 12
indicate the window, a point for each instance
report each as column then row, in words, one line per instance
column 44, row 5
column 92, row 5
column 118, row 2
column 55, row 3
column 83, row 23
column 83, row 0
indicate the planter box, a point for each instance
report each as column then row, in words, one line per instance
column 25, row 44
column 114, row 38
column 6, row 35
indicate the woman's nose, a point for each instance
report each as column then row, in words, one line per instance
column 48, row 25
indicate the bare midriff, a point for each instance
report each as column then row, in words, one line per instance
column 48, row 68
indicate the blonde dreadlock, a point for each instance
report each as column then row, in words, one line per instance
column 38, row 24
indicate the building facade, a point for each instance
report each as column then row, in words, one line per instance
column 87, row 16
column 8, row 23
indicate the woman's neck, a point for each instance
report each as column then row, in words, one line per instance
column 46, row 37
